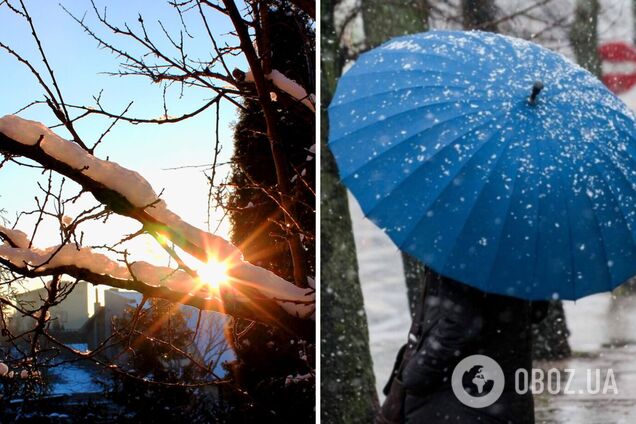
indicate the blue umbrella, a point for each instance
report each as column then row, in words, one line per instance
column 497, row 162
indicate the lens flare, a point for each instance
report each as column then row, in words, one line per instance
column 213, row 274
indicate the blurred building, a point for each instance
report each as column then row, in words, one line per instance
column 86, row 316
column 82, row 317
column 68, row 316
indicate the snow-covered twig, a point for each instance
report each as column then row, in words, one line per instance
column 288, row 86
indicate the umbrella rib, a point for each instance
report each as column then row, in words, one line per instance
column 419, row 134
column 599, row 149
column 412, row 175
column 605, row 108
column 569, row 223
column 512, row 50
column 603, row 178
column 566, row 73
column 391, row 91
column 354, row 72
column 401, row 245
column 535, row 274
column 621, row 172
column 508, row 46
column 390, row 117
column 491, row 268
column 623, row 130
column 472, row 53
column 629, row 184
column 571, row 241
column 629, row 158
column 505, row 144
column 620, row 112
column 602, row 236
column 556, row 94
column 402, row 73
column 401, row 53
column 487, row 281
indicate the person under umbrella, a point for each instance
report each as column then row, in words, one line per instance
column 510, row 172
column 454, row 321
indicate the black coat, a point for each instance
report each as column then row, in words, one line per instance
column 459, row 321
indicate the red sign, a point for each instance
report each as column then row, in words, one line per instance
column 618, row 52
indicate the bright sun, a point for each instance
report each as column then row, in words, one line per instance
column 213, row 274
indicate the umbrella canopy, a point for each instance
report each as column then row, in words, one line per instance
column 497, row 162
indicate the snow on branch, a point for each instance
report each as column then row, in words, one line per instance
column 253, row 292
column 14, row 238
column 127, row 189
column 287, row 85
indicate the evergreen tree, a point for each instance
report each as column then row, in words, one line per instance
column 273, row 368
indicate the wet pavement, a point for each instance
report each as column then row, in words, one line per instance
column 603, row 337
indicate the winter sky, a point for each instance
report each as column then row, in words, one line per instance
column 147, row 149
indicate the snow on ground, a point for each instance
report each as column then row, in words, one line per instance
column 602, row 327
column 71, row 378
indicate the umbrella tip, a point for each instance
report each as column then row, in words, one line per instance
column 536, row 88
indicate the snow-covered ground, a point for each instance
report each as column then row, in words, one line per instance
column 603, row 334
column 72, row 378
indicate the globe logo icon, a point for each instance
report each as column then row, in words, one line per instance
column 478, row 381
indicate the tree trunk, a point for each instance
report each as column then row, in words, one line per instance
column 550, row 336
column 265, row 357
column 414, row 271
column 584, row 35
column 348, row 392
column 634, row 21
column 479, row 14
column 383, row 20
